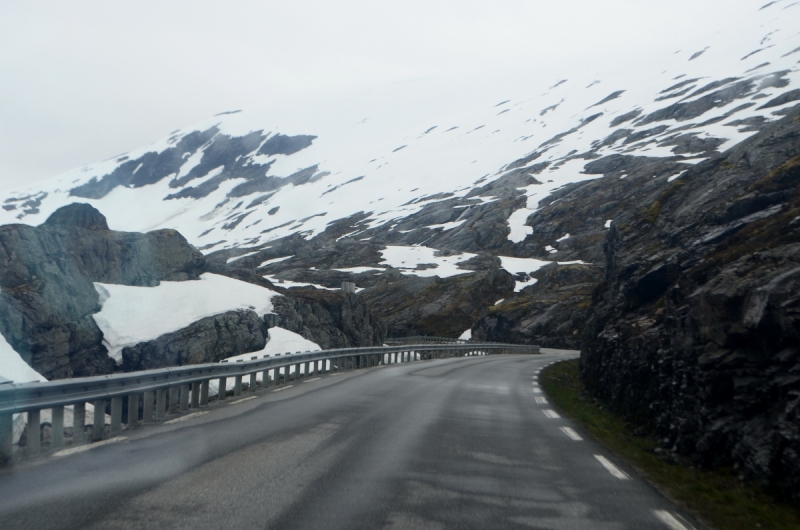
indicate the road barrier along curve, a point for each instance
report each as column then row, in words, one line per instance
column 152, row 395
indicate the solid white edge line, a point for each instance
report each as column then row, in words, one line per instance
column 669, row 520
column 284, row 388
column 614, row 470
column 241, row 400
column 82, row 448
column 550, row 413
column 572, row 434
column 187, row 417
column 312, row 379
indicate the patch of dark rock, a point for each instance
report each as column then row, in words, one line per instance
column 211, row 245
column 688, row 110
column 430, row 129
column 551, row 107
column 233, row 224
column 753, row 69
column 775, row 80
column 786, row 97
column 713, row 86
column 691, row 143
column 260, row 200
column 676, row 94
column 343, row 184
column 147, row 169
column 451, row 128
column 208, row 340
column 273, row 211
column 755, row 52
column 695, row 55
column 641, row 135
column 227, row 112
column 281, row 144
column 521, row 162
column 503, row 111
column 264, row 183
column 753, row 123
column 679, row 85
column 399, row 148
column 791, row 52
column 268, row 230
column 501, row 103
column 628, row 116
column 561, row 82
column 613, row 95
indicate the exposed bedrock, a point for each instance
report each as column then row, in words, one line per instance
column 549, row 313
column 332, row 319
column 695, row 331
column 208, row 340
column 48, row 298
column 443, row 307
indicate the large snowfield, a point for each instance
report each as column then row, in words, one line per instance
column 381, row 150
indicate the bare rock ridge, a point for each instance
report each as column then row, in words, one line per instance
column 695, row 330
column 47, row 297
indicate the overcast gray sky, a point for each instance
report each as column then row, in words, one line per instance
column 82, row 81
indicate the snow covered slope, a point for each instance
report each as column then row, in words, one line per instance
column 243, row 179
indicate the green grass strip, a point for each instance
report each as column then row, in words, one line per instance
column 715, row 497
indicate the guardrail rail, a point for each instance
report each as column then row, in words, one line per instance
column 153, row 395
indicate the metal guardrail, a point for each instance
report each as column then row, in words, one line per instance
column 157, row 393
column 423, row 339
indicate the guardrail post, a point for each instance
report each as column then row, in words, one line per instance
column 147, row 406
column 265, row 379
column 161, row 403
column 116, row 414
column 34, row 433
column 99, row 419
column 6, row 435
column 253, row 381
column 223, row 388
column 204, row 393
column 237, row 386
column 184, row 397
column 174, row 399
column 133, row 411
column 78, row 423
column 57, row 430
column 195, row 395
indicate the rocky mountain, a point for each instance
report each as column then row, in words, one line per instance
column 646, row 217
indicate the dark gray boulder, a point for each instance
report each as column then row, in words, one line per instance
column 208, row 340
column 47, row 297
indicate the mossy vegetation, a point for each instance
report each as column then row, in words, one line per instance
column 652, row 212
column 716, row 497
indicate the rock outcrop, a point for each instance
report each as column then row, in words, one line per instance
column 47, row 297
column 549, row 313
column 442, row 307
column 208, row 340
column 332, row 319
column 695, row 331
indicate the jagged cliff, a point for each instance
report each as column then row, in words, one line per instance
column 694, row 331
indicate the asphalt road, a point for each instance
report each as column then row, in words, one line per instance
column 452, row 443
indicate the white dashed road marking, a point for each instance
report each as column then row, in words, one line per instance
column 541, row 400
column 82, row 448
column 572, row 434
column 537, row 390
column 550, row 413
column 614, row 470
column 670, row 520
column 184, row 418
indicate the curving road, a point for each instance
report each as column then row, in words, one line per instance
column 453, row 443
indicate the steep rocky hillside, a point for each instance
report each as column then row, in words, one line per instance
column 694, row 331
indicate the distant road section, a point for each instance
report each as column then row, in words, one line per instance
column 452, row 443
